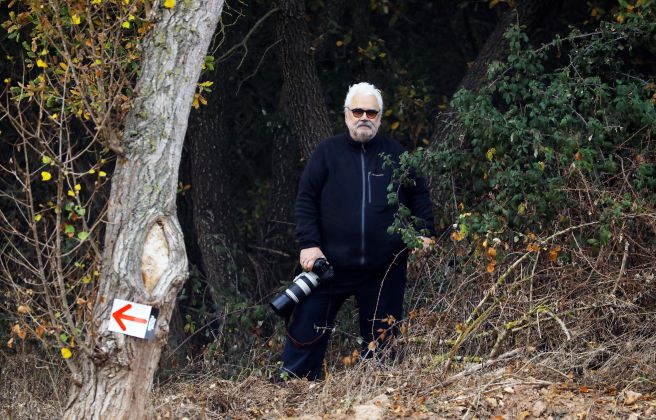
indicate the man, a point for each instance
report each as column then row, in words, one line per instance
column 342, row 215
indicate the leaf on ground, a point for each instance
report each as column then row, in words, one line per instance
column 631, row 397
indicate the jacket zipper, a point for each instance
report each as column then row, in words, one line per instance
column 362, row 242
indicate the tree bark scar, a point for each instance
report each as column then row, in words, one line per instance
column 155, row 256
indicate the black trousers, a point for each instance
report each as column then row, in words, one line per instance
column 379, row 293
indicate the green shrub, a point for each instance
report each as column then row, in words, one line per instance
column 559, row 135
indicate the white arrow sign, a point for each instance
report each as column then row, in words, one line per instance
column 133, row 319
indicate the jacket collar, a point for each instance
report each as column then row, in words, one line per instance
column 358, row 145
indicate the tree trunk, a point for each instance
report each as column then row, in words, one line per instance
column 144, row 257
column 305, row 104
column 213, row 208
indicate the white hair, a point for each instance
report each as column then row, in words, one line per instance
column 363, row 88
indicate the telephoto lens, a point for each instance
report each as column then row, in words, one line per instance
column 301, row 287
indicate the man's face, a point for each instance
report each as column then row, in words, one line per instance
column 362, row 128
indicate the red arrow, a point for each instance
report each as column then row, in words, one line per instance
column 120, row 315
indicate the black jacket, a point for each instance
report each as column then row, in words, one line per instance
column 342, row 207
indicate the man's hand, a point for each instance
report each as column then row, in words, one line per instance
column 309, row 256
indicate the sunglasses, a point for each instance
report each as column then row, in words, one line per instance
column 371, row 113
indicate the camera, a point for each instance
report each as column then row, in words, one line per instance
column 301, row 287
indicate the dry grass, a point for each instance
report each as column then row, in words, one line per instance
column 32, row 385
column 551, row 328
column 582, row 321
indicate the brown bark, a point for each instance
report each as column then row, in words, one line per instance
column 117, row 370
column 304, row 105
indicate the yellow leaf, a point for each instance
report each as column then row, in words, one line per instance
column 92, row 171
column 71, row 193
column 46, row 160
column 102, row 174
column 195, row 104
column 45, row 176
column 169, row 4
column 457, row 236
column 37, row 217
column 77, row 187
column 96, row 1
column 491, row 253
column 75, row 19
column 8, row 80
column 41, row 63
column 66, row 353
column 395, row 125
column 206, row 84
column 126, row 24
column 490, row 266
column 202, row 100
column 86, row 279
column 490, row 153
column 19, row 331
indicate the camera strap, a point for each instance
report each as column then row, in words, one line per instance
column 301, row 344
column 295, row 342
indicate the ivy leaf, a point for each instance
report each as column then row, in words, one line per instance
column 82, row 235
